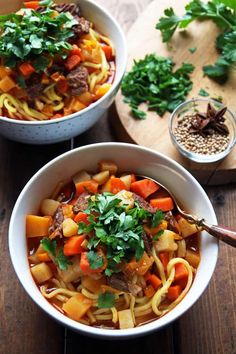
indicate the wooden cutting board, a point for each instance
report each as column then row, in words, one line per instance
column 142, row 39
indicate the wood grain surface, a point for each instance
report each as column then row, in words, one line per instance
column 153, row 132
column 209, row 327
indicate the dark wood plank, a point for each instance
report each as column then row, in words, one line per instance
column 210, row 326
column 24, row 328
column 161, row 342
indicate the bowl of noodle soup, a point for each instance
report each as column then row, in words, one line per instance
column 134, row 311
column 50, row 97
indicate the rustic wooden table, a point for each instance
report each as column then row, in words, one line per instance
column 209, row 327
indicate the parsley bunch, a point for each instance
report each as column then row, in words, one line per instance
column 153, row 81
column 35, row 36
column 223, row 13
column 116, row 228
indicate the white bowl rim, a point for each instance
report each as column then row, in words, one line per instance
column 114, row 85
column 110, row 333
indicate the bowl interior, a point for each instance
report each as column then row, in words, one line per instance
column 128, row 158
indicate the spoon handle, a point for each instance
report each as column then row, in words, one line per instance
column 222, row 233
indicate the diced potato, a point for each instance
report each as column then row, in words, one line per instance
column 108, row 166
column 72, row 273
column 4, row 71
column 101, row 177
column 49, row 206
column 127, row 180
column 166, row 242
column 6, row 84
column 69, row 228
column 37, row 226
column 93, row 285
column 181, row 252
column 193, row 258
column 125, row 319
column 77, row 306
column 40, row 249
column 126, row 199
column 81, row 176
column 41, row 272
column 186, row 228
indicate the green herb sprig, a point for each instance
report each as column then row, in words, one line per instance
column 57, row 256
column 116, row 228
column 223, row 14
column 35, row 36
column 153, row 81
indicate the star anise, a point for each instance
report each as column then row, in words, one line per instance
column 210, row 122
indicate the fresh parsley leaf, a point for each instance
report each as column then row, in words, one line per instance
column 41, row 63
column 192, row 50
column 58, row 257
column 158, row 234
column 157, row 218
column 95, row 260
column 49, row 245
column 153, row 81
column 106, row 300
column 203, row 93
column 223, row 14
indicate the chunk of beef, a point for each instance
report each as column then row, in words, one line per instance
column 58, row 219
column 81, row 203
column 172, row 223
column 77, row 80
column 82, row 27
column 143, row 203
column 147, row 243
column 34, row 87
column 120, row 282
column 72, row 8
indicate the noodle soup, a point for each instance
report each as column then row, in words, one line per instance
column 57, row 63
column 109, row 250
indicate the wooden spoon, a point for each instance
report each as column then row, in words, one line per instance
column 220, row 232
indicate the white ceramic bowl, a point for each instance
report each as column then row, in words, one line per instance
column 52, row 131
column 129, row 158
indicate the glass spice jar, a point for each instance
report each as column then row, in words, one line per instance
column 203, row 130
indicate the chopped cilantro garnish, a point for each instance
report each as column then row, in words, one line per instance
column 153, row 81
column 31, row 36
column 192, row 49
column 95, row 260
column 117, row 229
column 158, row 234
column 203, row 93
column 58, row 257
column 106, row 300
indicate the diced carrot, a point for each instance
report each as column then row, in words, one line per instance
column 72, row 62
column 154, row 281
column 102, row 90
column 85, row 266
column 81, row 217
column 57, row 76
column 44, row 257
column 164, row 204
column 4, row 71
column 117, row 185
column 62, row 86
column 181, row 272
column 26, row 69
column 86, row 186
column 181, row 282
column 149, row 291
column 73, row 245
column 144, row 187
column 57, row 115
column 174, row 292
column 31, row 4
column 45, row 79
column 75, row 50
column 164, row 257
column 108, row 51
column 6, row 84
